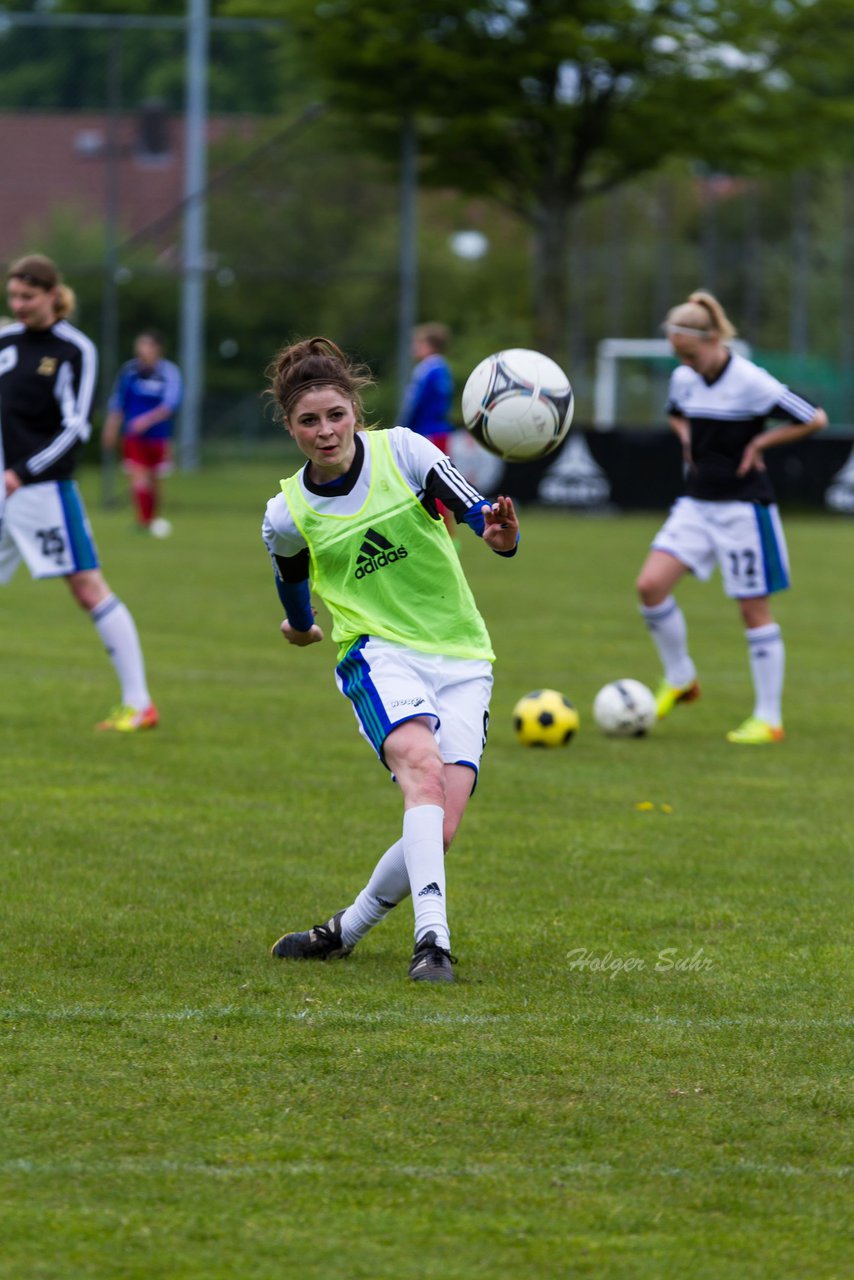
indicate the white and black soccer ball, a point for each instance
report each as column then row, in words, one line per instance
column 518, row 404
column 625, row 709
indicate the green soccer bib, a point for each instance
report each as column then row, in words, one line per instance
column 389, row 569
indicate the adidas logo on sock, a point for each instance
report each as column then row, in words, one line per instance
column 428, row 889
column 376, row 552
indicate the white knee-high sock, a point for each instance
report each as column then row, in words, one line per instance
column 388, row 885
column 118, row 631
column 425, row 864
column 767, row 666
column 666, row 625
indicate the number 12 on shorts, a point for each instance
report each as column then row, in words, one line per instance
column 743, row 564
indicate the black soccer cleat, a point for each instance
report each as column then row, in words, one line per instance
column 321, row 942
column 430, row 962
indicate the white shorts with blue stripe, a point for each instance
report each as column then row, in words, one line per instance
column 46, row 526
column 388, row 684
column 745, row 538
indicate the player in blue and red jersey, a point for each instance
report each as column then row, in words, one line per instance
column 427, row 403
column 143, row 405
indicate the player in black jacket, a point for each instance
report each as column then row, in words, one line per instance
column 48, row 370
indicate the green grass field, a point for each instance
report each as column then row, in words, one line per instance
column 175, row 1104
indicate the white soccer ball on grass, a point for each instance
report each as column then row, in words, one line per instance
column 625, row 709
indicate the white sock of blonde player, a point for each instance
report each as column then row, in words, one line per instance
column 388, row 885
column 667, row 626
column 424, row 853
column 767, row 666
column 118, row 631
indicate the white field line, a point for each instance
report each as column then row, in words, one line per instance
column 397, row 1017
column 154, row 1165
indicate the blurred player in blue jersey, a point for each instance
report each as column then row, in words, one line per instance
column 718, row 406
column 427, row 403
column 48, row 372
column 143, row 405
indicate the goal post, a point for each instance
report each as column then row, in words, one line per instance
column 610, row 352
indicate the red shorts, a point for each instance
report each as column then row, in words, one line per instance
column 440, row 441
column 153, row 455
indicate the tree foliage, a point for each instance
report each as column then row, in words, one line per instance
column 53, row 67
column 535, row 109
column 541, row 104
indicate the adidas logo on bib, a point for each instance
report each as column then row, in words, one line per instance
column 375, row 553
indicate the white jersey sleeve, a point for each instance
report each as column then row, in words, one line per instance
column 761, row 390
column 279, row 530
column 767, row 396
column 415, row 456
column 679, row 381
column 426, row 469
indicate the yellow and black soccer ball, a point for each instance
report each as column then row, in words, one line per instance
column 545, row 718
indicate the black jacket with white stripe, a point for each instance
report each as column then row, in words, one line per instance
column 47, row 382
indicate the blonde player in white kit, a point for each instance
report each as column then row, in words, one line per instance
column 718, row 406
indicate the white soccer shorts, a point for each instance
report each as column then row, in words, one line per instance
column 389, row 684
column 46, row 526
column 745, row 538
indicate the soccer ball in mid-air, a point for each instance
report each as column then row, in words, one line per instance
column 518, row 404
column 625, row 709
column 545, row 718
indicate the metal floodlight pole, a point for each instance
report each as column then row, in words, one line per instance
column 194, row 264
column 109, row 295
column 408, row 287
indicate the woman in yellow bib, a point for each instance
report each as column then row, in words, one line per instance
column 359, row 525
